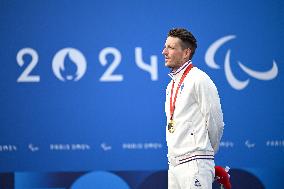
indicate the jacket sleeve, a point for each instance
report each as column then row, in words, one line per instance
column 209, row 103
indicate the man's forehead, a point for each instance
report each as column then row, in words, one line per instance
column 172, row 41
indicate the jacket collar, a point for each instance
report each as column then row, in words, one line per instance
column 175, row 74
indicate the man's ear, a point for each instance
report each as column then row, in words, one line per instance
column 187, row 53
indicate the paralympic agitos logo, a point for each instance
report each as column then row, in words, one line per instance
column 233, row 81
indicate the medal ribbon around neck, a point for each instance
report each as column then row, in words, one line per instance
column 173, row 104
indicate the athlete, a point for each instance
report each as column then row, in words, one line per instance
column 194, row 116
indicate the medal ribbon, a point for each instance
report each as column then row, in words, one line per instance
column 173, row 104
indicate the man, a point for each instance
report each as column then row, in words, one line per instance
column 194, row 116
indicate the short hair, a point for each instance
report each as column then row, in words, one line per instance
column 187, row 38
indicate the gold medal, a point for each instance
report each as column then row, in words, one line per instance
column 171, row 127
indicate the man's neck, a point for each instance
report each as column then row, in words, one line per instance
column 177, row 68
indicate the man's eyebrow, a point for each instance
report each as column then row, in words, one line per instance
column 168, row 45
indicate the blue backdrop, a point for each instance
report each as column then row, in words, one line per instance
column 83, row 89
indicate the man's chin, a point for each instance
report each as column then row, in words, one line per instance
column 168, row 65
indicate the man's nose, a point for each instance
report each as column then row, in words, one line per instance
column 164, row 52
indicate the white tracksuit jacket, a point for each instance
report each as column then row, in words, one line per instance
column 198, row 115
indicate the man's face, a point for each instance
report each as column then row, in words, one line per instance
column 175, row 56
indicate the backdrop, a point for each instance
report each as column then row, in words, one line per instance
column 83, row 90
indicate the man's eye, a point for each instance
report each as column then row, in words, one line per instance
column 168, row 47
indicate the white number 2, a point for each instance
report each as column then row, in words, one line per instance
column 25, row 76
column 108, row 76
